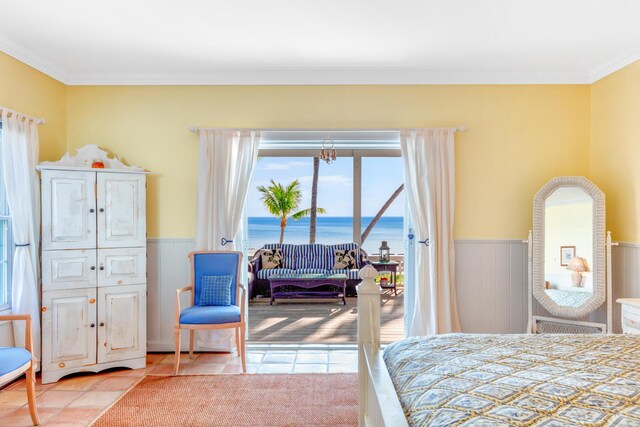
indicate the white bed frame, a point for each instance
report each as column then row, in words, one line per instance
column 378, row 402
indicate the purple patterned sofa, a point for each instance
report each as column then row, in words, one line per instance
column 306, row 258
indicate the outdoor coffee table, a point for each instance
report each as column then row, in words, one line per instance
column 303, row 283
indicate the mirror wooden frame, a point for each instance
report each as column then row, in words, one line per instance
column 599, row 246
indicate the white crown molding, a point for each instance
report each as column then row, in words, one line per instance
column 314, row 76
column 34, row 61
column 613, row 66
column 331, row 77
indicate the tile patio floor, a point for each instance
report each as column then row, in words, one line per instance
column 78, row 399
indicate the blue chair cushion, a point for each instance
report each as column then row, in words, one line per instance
column 216, row 290
column 210, row 315
column 12, row 358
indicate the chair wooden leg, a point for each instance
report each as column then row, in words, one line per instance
column 238, row 348
column 31, row 395
column 243, row 349
column 176, row 362
column 192, row 334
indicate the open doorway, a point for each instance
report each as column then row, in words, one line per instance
column 351, row 192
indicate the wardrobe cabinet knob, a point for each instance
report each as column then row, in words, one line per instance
column 92, row 210
column 93, row 325
column 101, row 210
column 101, row 268
column 101, row 323
column 93, row 267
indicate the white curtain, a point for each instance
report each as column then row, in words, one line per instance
column 429, row 179
column 19, row 158
column 226, row 160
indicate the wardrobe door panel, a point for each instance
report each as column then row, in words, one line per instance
column 68, row 269
column 122, row 266
column 68, row 209
column 121, row 210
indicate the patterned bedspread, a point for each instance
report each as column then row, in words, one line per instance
column 518, row 380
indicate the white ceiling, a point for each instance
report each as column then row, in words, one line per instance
column 322, row 41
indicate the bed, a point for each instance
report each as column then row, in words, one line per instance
column 502, row 380
column 495, row 380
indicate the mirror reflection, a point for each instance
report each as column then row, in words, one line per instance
column 568, row 246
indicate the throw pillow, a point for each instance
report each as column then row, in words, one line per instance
column 215, row 290
column 271, row 258
column 345, row 259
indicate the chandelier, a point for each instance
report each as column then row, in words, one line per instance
column 328, row 151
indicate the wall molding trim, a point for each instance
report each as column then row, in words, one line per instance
column 171, row 239
column 613, row 66
column 629, row 245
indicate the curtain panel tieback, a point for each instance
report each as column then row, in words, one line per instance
column 22, row 246
column 425, row 242
column 224, row 241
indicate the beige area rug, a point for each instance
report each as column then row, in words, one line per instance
column 256, row 400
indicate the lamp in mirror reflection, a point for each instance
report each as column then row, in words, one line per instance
column 577, row 265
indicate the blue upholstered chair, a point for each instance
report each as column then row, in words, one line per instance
column 14, row 361
column 201, row 317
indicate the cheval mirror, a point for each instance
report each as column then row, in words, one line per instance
column 569, row 259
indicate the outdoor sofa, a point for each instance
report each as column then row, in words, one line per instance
column 305, row 259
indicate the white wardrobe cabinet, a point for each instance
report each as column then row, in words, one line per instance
column 94, row 265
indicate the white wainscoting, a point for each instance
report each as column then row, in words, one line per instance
column 6, row 333
column 168, row 269
column 490, row 275
column 491, row 280
column 625, row 260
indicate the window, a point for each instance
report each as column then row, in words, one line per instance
column 335, row 195
column 381, row 177
column 6, row 246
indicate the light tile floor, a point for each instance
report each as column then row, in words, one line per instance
column 79, row 399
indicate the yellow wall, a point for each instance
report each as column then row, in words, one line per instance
column 518, row 137
column 26, row 90
column 615, row 149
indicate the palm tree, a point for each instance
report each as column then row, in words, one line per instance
column 314, row 200
column 281, row 201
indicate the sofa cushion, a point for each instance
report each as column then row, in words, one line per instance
column 311, row 271
column 196, row 315
column 264, row 274
column 345, row 258
column 343, row 247
column 271, row 258
column 352, row 274
column 12, row 358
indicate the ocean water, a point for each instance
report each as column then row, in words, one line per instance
column 330, row 230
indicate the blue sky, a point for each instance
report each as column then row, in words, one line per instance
column 380, row 178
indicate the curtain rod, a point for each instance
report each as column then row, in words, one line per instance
column 37, row 120
column 196, row 128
